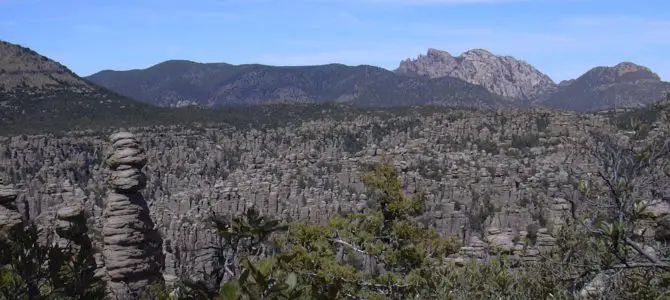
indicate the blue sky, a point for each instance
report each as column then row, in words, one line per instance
column 563, row 38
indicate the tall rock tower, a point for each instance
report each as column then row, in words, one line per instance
column 132, row 246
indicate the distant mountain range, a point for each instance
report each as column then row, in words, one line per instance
column 476, row 78
column 36, row 91
column 178, row 82
column 39, row 96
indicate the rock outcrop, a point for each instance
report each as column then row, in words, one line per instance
column 132, row 246
column 502, row 75
column 10, row 217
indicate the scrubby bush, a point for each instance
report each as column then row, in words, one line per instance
column 31, row 269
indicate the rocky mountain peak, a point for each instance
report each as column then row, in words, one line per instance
column 624, row 68
column 479, row 52
column 502, row 75
column 435, row 63
column 623, row 85
column 627, row 66
column 620, row 73
column 432, row 52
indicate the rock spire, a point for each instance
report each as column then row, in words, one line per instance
column 132, row 246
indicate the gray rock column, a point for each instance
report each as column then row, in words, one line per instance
column 132, row 246
column 73, row 235
column 10, row 217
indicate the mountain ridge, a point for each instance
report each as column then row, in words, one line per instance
column 26, row 74
column 216, row 84
column 422, row 80
column 624, row 85
column 53, row 99
column 21, row 67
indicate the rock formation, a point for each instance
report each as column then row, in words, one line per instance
column 501, row 75
column 71, row 224
column 475, row 178
column 9, row 212
column 73, row 235
column 132, row 246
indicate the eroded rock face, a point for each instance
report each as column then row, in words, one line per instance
column 502, row 239
column 501, row 75
column 9, row 213
column 132, row 247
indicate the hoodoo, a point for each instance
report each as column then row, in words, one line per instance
column 132, row 246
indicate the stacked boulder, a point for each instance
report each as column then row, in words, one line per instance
column 73, row 235
column 132, row 246
column 10, row 217
column 71, row 225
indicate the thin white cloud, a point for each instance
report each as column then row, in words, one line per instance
column 613, row 20
column 389, row 53
column 402, row 2
column 94, row 29
column 538, row 48
column 441, row 30
column 207, row 16
column 430, row 2
column 610, row 30
column 452, row 2
column 345, row 56
column 239, row 2
column 55, row 19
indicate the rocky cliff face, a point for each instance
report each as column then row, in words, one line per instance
column 502, row 75
column 132, row 246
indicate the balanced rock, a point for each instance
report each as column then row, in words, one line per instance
column 132, row 247
column 71, row 221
